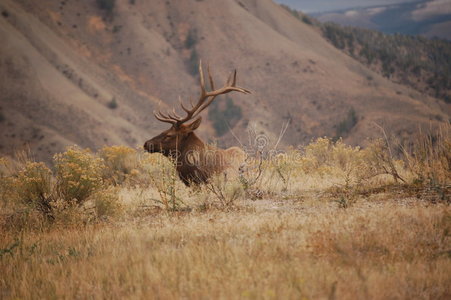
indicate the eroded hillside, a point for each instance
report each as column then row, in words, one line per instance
column 74, row 72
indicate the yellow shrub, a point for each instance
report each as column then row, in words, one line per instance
column 78, row 174
column 3, row 163
column 121, row 163
column 317, row 153
column 107, row 203
column 5, row 181
column 33, row 186
column 325, row 157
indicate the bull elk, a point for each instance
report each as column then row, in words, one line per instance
column 195, row 161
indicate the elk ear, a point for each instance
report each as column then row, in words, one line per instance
column 194, row 125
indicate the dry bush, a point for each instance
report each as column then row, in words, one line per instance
column 379, row 160
column 429, row 158
column 326, row 157
column 163, row 177
column 34, row 186
column 318, row 157
column 78, row 174
column 284, row 169
column 221, row 192
column 107, row 204
column 322, row 164
column 26, row 191
column 31, row 187
column 5, row 181
column 121, row 164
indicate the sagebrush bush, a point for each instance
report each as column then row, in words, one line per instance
column 3, row 163
column 378, row 160
column 120, row 162
column 78, row 174
column 107, row 5
column 5, row 181
column 429, row 158
column 222, row 192
column 34, row 186
column 107, row 203
column 283, row 169
column 325, row 157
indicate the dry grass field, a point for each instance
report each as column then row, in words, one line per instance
column 327, row 221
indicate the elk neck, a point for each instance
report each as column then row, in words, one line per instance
column 191, row 143
column 191, row 171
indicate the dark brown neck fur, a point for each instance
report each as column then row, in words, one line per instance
column 192, row 163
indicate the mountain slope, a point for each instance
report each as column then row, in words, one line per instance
column 64, row 62
column 429, row 18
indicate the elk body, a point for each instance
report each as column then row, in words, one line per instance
column 195, row 161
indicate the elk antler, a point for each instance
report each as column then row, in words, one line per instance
column 205, row 99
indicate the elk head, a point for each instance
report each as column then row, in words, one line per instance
column 180, row 139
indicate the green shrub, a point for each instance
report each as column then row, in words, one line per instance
column 307, row 20
column 416, row 61
column 192, row 64
column 191, row 39
column 106, row 5
column 345, row 126
column 112, row 104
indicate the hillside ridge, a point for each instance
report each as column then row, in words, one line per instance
column 71, row 60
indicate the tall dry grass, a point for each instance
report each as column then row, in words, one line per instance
column 368, row 251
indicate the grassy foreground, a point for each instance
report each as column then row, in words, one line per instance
column 334, row 222
column 375, row 250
